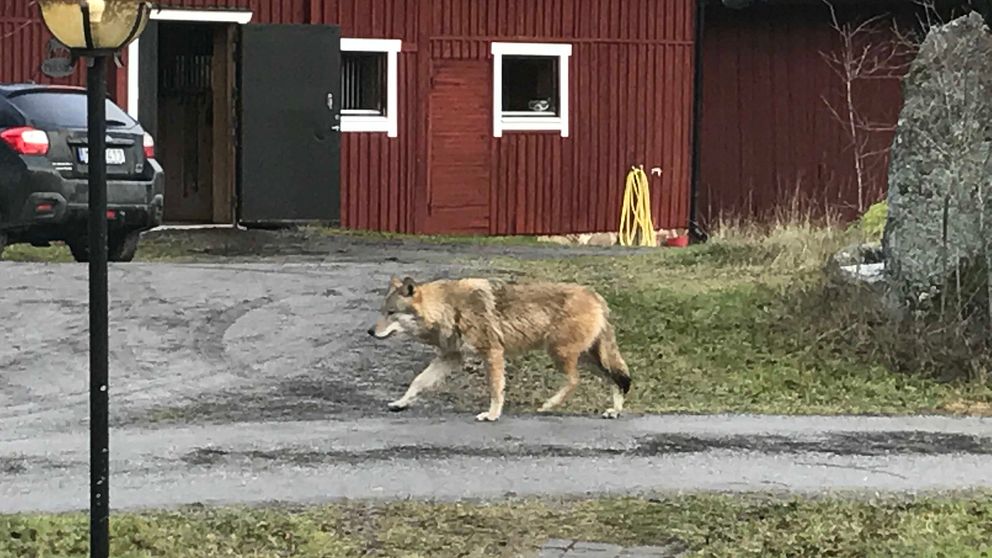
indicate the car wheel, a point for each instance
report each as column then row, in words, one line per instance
column 121, row 247
column 79, row 249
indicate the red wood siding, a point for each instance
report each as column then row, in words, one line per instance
column 769, row 143
column 23, row 44
column 380, row 175
column 630, row 97
column 265, row 11
column 458, row 190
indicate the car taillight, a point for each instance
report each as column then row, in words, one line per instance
column 149, row 147
column 26, row 141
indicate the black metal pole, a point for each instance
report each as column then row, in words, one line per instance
column 96, row 91
column 696, row 232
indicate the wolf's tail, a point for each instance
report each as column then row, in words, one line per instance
column 607, row 355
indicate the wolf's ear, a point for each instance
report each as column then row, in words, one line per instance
column 409, row 285
column 395, row 282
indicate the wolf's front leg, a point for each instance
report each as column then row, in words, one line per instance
column 429, row 378
column 497, row 383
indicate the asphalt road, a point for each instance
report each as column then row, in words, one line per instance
column 452, row 457
column 256, row 382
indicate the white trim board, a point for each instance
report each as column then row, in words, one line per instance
column 532, row 49
column 557, row 122
column 390, row 122
column 215, row 16
column 239, row 17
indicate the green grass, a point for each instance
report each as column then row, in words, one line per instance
column 428, row 238
column 872, row 223
column 57, row 253
column 200, row 245
column 161, row 249
column 729, row 327
column 716, row 526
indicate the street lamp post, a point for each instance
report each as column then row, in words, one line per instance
column 96, row 30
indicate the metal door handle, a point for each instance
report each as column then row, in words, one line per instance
column 336, row 128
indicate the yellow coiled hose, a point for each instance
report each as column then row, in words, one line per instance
column 635, row 215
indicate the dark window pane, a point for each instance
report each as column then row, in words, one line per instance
column 8, row 117
column 363, row 83
column 64, row 110
column 530, row 85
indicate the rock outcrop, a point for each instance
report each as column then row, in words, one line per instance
column 940, row 175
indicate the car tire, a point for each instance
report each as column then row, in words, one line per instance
column 121, row 247
column 3, row 242
column 79, row 249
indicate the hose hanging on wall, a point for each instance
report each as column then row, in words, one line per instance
column 635, row 214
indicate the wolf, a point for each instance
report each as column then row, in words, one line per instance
column 495, row 319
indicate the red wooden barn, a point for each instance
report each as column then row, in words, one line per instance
column 462, row 116
column 769, row 141
column 491, row 116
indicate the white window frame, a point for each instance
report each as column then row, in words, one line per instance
column 503, row 122
column 390, row 122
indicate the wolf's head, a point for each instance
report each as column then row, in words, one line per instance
column 398, row 314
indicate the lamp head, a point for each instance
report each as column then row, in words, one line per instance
column 90, row 26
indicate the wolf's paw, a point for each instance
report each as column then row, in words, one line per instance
column 546, row 408
column 611, row 414
column 398, row 405
column 486, row 417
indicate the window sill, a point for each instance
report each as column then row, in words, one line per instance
column 532, row 124
column 368, row 124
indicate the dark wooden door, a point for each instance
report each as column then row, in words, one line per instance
column 185, row 120
column 460, row 128
column 289, row 164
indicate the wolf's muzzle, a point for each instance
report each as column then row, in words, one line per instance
column 372, row 331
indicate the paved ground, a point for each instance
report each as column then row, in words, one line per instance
column 256, row 382
column 452, row 457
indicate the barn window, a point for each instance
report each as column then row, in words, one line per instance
column 363, row 83
column 530, row 87
column 369, row 85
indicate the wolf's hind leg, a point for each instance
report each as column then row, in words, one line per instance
column 617, row 408
column 567, row 362
column 592, row 360
column 429, row 378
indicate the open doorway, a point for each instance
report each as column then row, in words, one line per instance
column 194, row 116
column 231, row 118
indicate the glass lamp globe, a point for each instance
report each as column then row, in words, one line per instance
column 95, row 25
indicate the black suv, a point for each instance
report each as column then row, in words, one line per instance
column 43, row 170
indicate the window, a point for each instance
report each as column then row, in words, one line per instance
column 64, row 109
column 530, row 87
column 369, row 85
column 363, row 83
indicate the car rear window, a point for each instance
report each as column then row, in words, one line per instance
column 64, row 110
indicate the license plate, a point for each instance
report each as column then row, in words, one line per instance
column 115, row 156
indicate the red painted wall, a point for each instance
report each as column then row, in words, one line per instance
column 631, row 100
column 23, row 43
column 631, row 104
column 380, row 176
column 769, row 142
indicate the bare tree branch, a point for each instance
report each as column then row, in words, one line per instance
column 872, row 49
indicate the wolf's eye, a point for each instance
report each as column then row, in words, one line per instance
column 390, row 313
